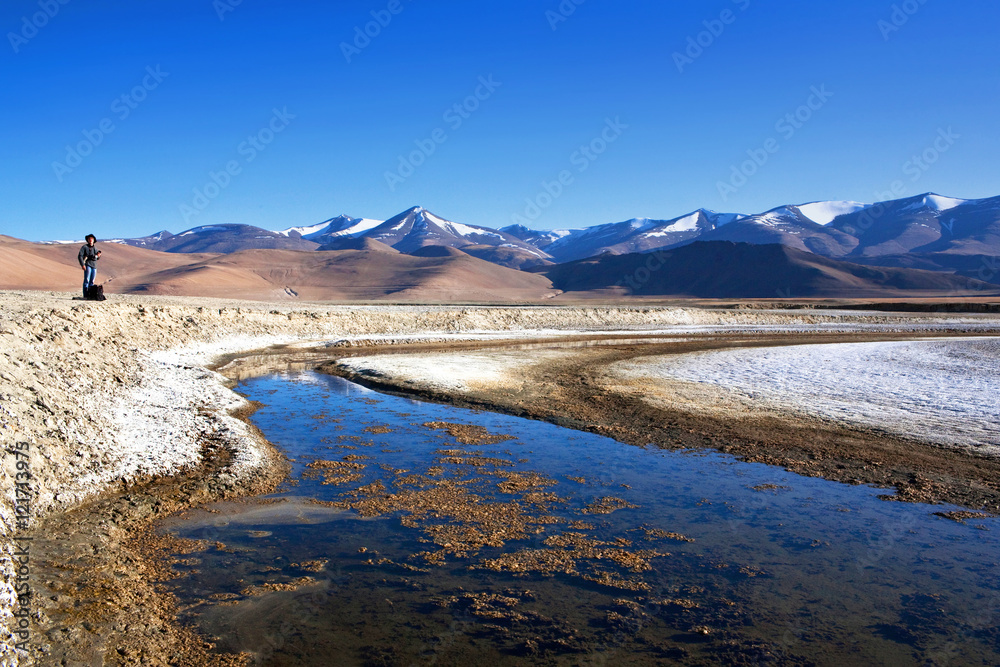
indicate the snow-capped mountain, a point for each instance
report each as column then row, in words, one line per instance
column 794, row 226
column 417, row 227
column 537, row 238
column 926, row 223
column 927, row 231
column 342, row 225
column 635, row 235
column 825, row 212
column 921, row 224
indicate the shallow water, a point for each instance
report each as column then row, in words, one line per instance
column 563, row 547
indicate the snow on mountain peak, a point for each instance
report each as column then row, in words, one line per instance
column 939, row 203
column 933, row 202
column 206, row 228
column 688, row 223
column 342, row 225
column 721, row 219
column 824, row 212
column 310, row 229
column 430, row 217
column 783, row 211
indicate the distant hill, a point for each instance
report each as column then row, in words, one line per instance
column 54, row 266
column 368, row 274
column 222, row 239
column 723, row 269
column 979, row 267
column 372, row 271
column 145, row 241
column 356, row 243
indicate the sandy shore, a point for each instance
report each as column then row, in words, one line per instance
column 102, row 402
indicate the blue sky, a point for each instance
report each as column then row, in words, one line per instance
column 568, row 115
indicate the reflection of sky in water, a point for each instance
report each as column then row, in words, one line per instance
column 809, row 569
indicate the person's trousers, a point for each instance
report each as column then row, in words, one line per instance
column 89, row 273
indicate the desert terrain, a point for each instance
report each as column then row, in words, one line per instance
column 116, row 414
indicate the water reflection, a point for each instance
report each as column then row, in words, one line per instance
column 412, row 533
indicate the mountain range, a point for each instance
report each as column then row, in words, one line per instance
column 927, row 245
column 927, row 231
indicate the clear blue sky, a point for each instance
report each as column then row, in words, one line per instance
column 895, row 92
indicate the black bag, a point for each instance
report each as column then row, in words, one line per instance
column 96, row 293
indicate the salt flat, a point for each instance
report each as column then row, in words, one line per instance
column 940, row 391
column 107, row 395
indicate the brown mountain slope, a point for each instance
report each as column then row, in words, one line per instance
column 347, row 275
column 41, row 266
column 357, row 243
column 368, row 274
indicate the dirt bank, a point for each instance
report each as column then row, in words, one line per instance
column 110, row 415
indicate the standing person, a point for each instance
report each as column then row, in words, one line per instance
column 89, row 254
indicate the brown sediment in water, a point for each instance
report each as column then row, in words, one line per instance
column 770, row 487
column 961, row 516
column 468, row 434
column 659, row 533
column 458, row 509
column 336, row 472
column 100, row 569
column 607, row 505
column 271, row 587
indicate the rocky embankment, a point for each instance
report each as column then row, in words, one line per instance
column 97, row 398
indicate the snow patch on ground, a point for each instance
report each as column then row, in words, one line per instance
column 941, row 391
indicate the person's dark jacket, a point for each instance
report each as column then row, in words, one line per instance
column 88, row 256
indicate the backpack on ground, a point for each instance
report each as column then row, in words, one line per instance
column 96, row 293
